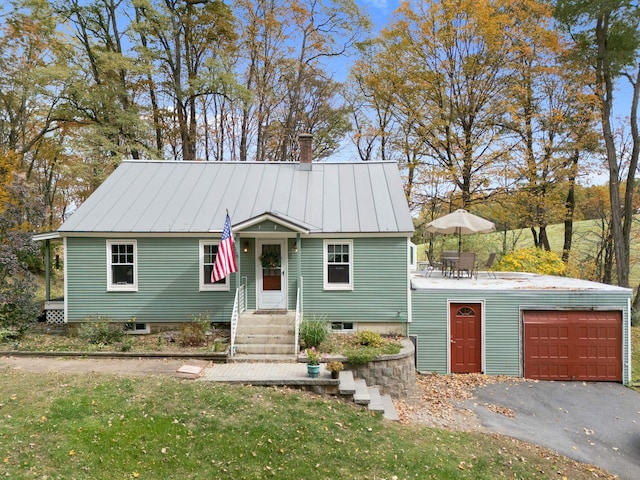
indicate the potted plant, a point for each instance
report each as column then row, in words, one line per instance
column 335, row 367
column 313, row 362
column 270, row 259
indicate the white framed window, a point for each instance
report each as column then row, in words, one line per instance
column 338, row 264
column 136, row 328
column 413, row 256
column 122, row 266
column 343, row 327
column 208, row 253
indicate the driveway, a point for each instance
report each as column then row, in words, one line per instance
column 595, row 423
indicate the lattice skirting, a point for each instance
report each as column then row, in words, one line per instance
column 55, row 317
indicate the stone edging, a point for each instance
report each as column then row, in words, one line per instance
column 214, row 357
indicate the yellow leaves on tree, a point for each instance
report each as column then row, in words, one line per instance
column 7, row 172
column 532, row 260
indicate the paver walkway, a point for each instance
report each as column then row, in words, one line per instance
column 294, row 373
column 259, row 372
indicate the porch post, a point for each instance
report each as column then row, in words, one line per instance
column 298, row 259
column 238, row 253
column 47, row 269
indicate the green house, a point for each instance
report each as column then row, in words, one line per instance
column 322, row 239
column 326, row 239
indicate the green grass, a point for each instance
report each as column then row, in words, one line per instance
column 59, row 426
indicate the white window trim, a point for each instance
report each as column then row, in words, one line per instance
column 342, row 329
column 325, row 263
column 142, row 331
column 209, row 287
column 122, row 288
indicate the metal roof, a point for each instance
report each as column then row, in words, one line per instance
column 193, row 197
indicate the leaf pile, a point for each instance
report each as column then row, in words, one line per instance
column 438, row 394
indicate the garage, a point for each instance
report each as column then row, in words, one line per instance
column 573, row 345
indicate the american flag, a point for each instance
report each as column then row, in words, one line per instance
column 226, row 258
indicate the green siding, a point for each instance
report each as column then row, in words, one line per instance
column 168, row 283
column 501, row 322
column 379, row 281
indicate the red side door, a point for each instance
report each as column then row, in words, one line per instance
column 466, row 337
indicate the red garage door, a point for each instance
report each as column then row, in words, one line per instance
column 576, row 345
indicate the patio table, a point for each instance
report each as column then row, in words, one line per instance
column 449, row 265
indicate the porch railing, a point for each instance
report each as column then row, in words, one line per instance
column 239, row 306
column 299, row 310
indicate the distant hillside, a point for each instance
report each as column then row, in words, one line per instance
column 586, row 241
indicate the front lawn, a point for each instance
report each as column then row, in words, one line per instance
column 60, row 426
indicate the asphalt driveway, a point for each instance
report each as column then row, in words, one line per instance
column 595, row 423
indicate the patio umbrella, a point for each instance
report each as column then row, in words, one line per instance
column 460, row 222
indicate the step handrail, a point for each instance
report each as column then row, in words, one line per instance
column 298, row 317
column 239, row 306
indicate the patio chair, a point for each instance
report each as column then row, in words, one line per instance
column 466, row 264
column 488, row 264
column 431, row 266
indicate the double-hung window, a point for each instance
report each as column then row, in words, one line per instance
column 208, row 253
column 338, row 264
column 122, row 266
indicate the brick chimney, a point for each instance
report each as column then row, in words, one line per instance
column 306, row 153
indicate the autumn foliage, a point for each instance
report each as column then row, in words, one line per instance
column 532, row 260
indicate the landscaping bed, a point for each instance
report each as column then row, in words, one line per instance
column 62, row 338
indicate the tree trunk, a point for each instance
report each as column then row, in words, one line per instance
column 570, row 207
column 604, row 79
column 544, row 239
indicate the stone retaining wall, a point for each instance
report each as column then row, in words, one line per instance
column 394, row 375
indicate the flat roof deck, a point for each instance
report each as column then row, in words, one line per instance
column 507, row 281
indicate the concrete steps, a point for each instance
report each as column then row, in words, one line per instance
column 265, row 334
column 364, row 395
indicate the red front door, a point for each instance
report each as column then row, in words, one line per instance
column 466, row 338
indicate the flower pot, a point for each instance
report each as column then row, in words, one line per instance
column 335, row 374
column 313, row 370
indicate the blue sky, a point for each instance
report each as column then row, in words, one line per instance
column 380, row 11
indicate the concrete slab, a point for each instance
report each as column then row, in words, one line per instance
column 362, row 395
column 390, row 412
column 375, row 404
column 347, row 383
column 189, row 371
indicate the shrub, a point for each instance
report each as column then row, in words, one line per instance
column 101, row 331
column 194, row 333
column 314, row 331
column 360, row 354
column 369, row 338
column 8, row 334
column 532, row 260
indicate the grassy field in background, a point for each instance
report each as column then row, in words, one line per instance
column 585, row 241
column 60, row 426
